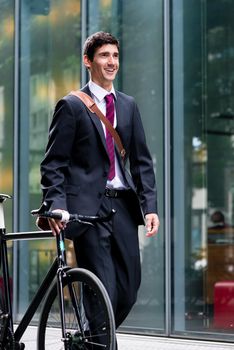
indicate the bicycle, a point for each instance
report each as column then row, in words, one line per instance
column 76, row 301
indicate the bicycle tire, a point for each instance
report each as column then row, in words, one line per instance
column 100, row 328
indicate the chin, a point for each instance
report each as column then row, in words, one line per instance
column 111, row 78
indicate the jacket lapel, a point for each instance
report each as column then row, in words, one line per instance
column 96, row 121
column 119, row 113
column 122, row 121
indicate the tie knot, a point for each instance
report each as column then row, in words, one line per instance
column 109, row 98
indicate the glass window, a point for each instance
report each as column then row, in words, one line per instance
column 203, row 149
column 7, row 27
column 139, row 29
column 49, row 68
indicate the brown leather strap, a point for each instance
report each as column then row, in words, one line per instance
column 91, row 105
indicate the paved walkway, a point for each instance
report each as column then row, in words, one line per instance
column 133, row 342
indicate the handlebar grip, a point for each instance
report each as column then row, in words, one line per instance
column 52, row 215
column 64, row 216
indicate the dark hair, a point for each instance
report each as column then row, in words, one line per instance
column 97, row 40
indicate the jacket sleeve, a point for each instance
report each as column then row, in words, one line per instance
column 57, row 156
column 141, row 166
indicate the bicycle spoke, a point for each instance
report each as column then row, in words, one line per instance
column 88, row 316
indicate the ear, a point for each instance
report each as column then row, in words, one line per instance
column 86, row 61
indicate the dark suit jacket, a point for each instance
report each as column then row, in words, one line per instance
column 75, row 167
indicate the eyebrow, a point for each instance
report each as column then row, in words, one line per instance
column 107, row 52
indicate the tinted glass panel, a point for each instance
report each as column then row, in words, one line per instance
column 203, row 148
column 50, row 68
column 139, row 29
column 7, row 102
column 7, row 25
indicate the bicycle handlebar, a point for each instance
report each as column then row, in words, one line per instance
column 73, row 217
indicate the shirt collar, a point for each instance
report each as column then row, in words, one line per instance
column 99, row 92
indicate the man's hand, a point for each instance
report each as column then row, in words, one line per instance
column 152, row 224
column 55, row 224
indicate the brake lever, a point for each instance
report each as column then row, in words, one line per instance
column 82, row 222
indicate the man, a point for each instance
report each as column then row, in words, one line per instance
column 80, row 176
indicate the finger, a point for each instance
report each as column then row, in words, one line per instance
column 148, row 225
column 52, row 229
column 151, row 233
column 153, row 230
column 55, row 228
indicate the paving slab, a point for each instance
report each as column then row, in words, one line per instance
column 139, row 342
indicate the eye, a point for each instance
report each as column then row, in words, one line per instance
column 104, row 54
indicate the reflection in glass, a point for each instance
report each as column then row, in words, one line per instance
column 6, row 102
column 49, row 68
column 139, row 30
column 203, row 118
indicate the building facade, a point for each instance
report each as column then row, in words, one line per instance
column 177, row 59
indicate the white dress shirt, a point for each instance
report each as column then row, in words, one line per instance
column 98, row 94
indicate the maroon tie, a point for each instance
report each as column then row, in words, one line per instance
column 110, row 112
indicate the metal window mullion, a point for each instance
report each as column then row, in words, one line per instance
column 16, row 150
column 167, row 168
column 84, row 21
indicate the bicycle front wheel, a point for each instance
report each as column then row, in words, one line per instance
column 89, row 318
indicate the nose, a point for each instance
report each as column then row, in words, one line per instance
column 111, row 59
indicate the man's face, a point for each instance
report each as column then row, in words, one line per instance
column 104, row 66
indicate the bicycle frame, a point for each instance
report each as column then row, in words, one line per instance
column 57, row 268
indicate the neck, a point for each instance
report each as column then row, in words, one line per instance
column 105, row 85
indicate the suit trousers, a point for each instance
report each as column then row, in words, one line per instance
column 111, row 251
